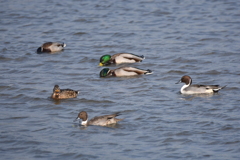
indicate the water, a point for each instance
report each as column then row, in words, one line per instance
column 197, row 38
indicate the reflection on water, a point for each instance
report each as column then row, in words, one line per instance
column 191, row 97
column 108, row 126
column 56, row 101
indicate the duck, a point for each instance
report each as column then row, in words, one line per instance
column 50, row 47
column 120, row 58
column 98, row 121
column 63, row 93
column 188, row 88
column 123, row 72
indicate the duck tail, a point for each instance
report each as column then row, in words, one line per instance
column 64, row 45
column 216, row 90
column 142, row 56
column 119, row 119
column 77, row 92
column 118, row 114
column 223, row 87
column 148, row 72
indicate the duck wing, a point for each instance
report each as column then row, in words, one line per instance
column 53, row 46
column 137, row 70
column 205, row 88
column 69, row 93
column 129, row 71
column 47, row 45
column 215, row 88
column 126, row 58
column 104, row 120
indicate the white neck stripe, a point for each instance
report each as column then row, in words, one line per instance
column 183, row 87
column 84, row 123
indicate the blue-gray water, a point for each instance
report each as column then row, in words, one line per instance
column 196, row 38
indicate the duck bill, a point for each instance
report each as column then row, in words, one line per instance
column 178, row 82
column 76, row 119
column 101, row 64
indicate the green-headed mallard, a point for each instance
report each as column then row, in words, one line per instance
column 51, row 47
column 99, row 121
column 123, row 71
column 120, row 58
column 63, row 93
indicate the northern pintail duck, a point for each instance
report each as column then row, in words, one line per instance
column 99, row 121
column 51, row 47
column 123, row 71
column 120, row 58
column 63, row 93
column 188, row 88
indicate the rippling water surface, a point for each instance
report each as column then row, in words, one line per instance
column 196, row 38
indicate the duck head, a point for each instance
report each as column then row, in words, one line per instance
column 83, row 116
column 185, row 79
column 105, row 72
column 56, row 88
column 105, row 60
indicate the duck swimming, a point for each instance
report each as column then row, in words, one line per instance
column 120, row 58
column 50, row 47
column 188, row 88
column 99, row 121
column 123, row 71
column 63, row 93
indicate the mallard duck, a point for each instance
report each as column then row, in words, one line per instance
column 188, row 88
column 63, row 93
column 120, row 58
column 123, row 71
column 51, row 47
column 99, row 121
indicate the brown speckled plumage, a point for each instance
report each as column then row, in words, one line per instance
column 63, row 93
